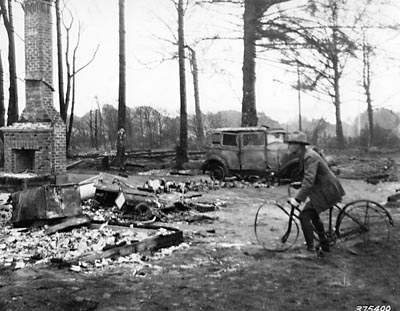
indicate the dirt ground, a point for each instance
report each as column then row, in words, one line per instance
column 222, row 267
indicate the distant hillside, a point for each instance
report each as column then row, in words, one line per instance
column 232, row 118
column 385, row 118
column 329, row 128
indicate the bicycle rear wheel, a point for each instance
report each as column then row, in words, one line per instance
column 270, row 226
column 363, row 226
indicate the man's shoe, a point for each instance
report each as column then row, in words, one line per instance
column 305, row 253
column 310, row 249
column 325, row 247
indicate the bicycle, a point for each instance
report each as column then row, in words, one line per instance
column 360, row 225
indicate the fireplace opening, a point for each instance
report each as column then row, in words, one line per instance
column 24, row 160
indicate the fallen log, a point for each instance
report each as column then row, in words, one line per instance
column 70, row 222
column 72, row 165
column 377, row 178
column 133, row 164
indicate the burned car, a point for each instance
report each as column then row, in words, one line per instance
column 249, row 151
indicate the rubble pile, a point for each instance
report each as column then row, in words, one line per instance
column 111, row 225
column 109, row 228
column 27, row 247
column 165, row 186
column 5, row 209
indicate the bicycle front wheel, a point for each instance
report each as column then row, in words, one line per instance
column 272, row 228
column 364, row 226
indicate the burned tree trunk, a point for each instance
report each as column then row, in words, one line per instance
column 195, row 74
column 120, row 158
column 249, row 112
column 367, row 88
column 2, row 107
column 6, row 11
column 63, row 111
column 182, row 156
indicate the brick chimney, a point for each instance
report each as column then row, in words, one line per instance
column 37, row 142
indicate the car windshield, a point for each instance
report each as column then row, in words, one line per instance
column 229, row 139
column 215, row 138
column 276, row 137
column 253, row 139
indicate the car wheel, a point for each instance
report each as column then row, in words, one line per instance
column 217, row 172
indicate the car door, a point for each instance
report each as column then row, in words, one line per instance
column 252, row 151
column 276, row 150
column 230, row 150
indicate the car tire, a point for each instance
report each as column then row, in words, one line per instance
column 217, row 172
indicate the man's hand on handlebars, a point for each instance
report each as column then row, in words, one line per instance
column 293, row 202
column 295, row 184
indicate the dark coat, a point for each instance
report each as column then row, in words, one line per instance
column 319, row 183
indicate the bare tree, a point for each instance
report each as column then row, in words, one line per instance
column 101, row 123
column 367, row 50
column 91, row 127
column 2, row 107
column 63, row 111
column 254, row 11
column 72, row 71
column 110, row 121
column 321, row 45
column 195, row 73
column 7, row 14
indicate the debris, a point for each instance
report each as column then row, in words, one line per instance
column 46, row 202
column 164, row 238
column 153, row 185
column 203, row 207
column 87, row 189
column 394, row 197
column 132, row 197
column 377, row 178
column 68, row 239
column 108, row 187
column 182, row 173
column 393, row 200
column 68, row 223
column 27, row 247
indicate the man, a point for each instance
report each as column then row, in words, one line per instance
column 319, row 184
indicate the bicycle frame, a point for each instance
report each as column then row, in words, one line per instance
column 360, row 222
column 332, row 231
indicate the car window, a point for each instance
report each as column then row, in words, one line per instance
column 275, row 137
column 253, row 139
column 229, row 139
column 215, row 138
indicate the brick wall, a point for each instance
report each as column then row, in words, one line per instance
column 38, row 41
column 37, row 141
column 59, row 147
column 20, row 143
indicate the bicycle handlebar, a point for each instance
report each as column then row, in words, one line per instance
column 295, row 184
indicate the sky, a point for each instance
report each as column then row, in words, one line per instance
column 152, row 77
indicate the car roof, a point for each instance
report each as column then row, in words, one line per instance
column 247, row 129
column 279, row 130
